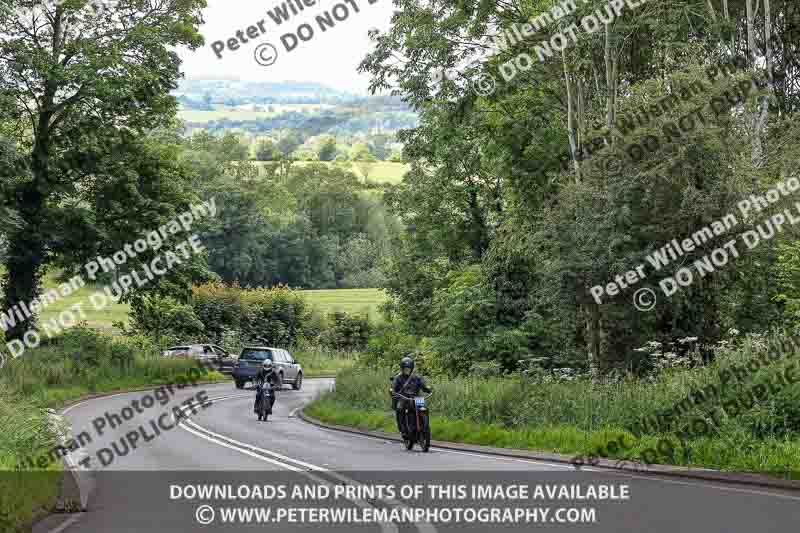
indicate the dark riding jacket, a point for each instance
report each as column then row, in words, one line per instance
column 263, row 376
column 408, row 386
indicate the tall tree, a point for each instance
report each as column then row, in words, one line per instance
column 77, row 84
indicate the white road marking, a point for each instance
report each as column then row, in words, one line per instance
column 65, row 525
column 710, row 484
column 284, row 464
column 249, row 448
column 456, row 452
column 388, row 528
column 238, row 449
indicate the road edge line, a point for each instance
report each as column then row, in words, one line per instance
column 707, row 475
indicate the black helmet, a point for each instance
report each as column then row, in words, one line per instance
column 407, row 362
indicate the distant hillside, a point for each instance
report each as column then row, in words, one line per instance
column 204, row 94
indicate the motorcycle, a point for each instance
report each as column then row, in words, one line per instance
column 417, row 422
column 264, row 403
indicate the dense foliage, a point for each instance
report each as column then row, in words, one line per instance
column 502, row 247
column 311, row 226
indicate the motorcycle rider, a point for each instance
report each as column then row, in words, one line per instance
column 265, row 375
column 408, row 384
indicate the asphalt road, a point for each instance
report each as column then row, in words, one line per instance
column 151, row 485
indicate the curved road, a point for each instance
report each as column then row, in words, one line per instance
column 145, row 473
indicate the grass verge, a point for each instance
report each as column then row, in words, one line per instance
column 523, row 414
column 317, row 361
column 24, row 495
column 79, row 363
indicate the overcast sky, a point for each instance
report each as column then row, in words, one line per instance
column 328, row 57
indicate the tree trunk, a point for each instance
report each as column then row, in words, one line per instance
column 573, row 148
column 611, row 81
column 593, row 326
column 26, row 255
column 762, row 113
column 479, row 233
column 751, row 38
column 727, row 14
column 758, row 122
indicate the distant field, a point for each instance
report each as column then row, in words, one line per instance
column 99, row 319
column 385, row 172
column 364, row 301
column 348, row 300
column 207, row 116
column 382, row 172
column 220, row 112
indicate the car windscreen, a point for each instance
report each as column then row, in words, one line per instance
column 259, row 355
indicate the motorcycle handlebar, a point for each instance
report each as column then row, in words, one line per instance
column 407, row 398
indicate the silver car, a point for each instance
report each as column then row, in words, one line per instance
column 207, row 353
column 252, row 358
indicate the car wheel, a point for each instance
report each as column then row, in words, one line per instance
column 279, row 384
column 298, row 382
column 239, row 384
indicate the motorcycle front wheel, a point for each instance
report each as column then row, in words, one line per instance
column 409, row 444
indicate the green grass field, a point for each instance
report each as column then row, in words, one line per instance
column 348, row 300
column 221, row 112
column 204, row 117
column 385, row 172
column 326, row 301
column 96, row 318
column 101, row 319
column 382, row 171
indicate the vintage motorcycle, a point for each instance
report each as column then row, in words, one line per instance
column 264, row 404
column 417, row 422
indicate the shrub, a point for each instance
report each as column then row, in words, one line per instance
column 547, row 399
column 346, row 332
column 277, row 316
column 387, row 345
column 162, row 316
